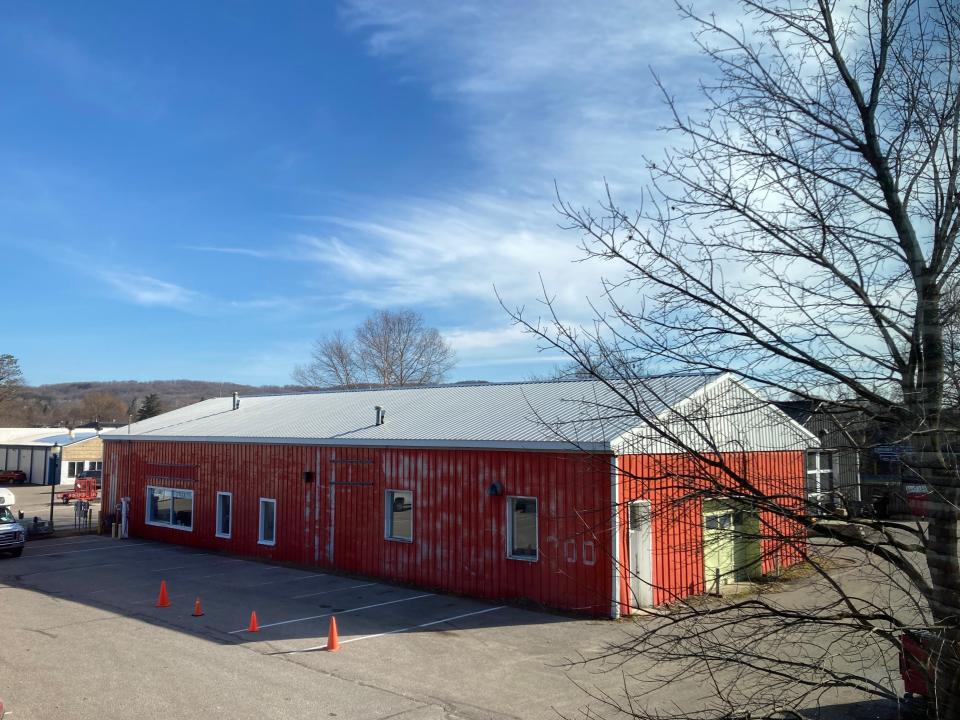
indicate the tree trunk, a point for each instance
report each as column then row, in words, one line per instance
column 942, row 558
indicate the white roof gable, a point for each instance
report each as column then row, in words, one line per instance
column 722, row 416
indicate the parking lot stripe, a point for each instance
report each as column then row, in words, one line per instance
column 327, row 592
column 179, row 567
column 401, row 630
column 338, row 612
column 311, row 576
column 73, row 568
column 98, row 549
column 60, row 542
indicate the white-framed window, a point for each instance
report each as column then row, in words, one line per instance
column 268, row 522
column 72, row 468
column 224, row 514
column 169, row 507
column 398, row 523
column 522, row 529
column 98, row 465
column 819, row 471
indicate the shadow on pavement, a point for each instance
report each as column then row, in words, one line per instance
column 910, row 709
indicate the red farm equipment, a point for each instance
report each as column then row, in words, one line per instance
column 85, row 489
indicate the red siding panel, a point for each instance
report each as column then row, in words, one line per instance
column 671, row 482
column 459, row 536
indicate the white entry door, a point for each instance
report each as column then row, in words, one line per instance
column 641, row 555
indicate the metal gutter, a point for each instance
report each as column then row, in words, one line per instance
column 598, row 447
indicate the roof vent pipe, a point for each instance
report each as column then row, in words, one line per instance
column 236, row 401
column 380, row 415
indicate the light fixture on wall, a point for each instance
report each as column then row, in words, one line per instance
column 495, row 489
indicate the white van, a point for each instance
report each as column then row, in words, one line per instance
column 13, row 535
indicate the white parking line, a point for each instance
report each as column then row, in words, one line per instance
column 99, row 549
column 61, row 542
column 179, row 567
column 327, row 592
column 311, row 576
column 404, row 629
column 171, row 596
column 77, row 567
column 339, row 612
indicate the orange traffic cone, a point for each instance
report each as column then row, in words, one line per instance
column 197, row 609
column 162, row 599
column 333, row 642
column 253, row 627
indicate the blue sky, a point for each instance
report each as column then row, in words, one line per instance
column 198, row 190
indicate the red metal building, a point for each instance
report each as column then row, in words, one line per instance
column 531, row 492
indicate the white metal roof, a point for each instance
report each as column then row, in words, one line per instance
column 575, row 414
column 45, row 436
column 535, row 415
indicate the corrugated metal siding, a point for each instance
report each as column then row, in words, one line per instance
column 671, row 482
column 780, row 475
column 459, row 536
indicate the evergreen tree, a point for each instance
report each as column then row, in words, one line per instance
column 151, row 406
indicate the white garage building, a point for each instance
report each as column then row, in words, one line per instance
column 29, row 450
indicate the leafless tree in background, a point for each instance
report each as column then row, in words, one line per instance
column 801, row 236
column 100, row 407
column 332, row 364
column 390, row 348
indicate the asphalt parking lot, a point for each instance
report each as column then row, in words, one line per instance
column 90, row 601
column 80, row 637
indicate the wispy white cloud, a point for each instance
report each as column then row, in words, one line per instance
column 552, row 89
column 143, row 289
column 150, row 291
column 435, row 252
column 506, row 346
column 226, row 250
column 548, row 92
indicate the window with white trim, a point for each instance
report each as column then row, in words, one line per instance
column 224, row 514
column 268, row 522
column 72, row 468
column 169, row 507
column 399, row 515
column 522, row 528
column 819, row 471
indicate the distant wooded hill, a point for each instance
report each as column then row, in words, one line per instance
column 79, row 403
column 76, row 403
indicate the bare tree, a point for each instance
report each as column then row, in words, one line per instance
column 951, row 343
column 801, row 237
column 100, row 406
column 333, row 362
column 392, row 348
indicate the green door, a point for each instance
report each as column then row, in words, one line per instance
column 719, row 546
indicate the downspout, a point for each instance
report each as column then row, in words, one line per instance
column 615, row 547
